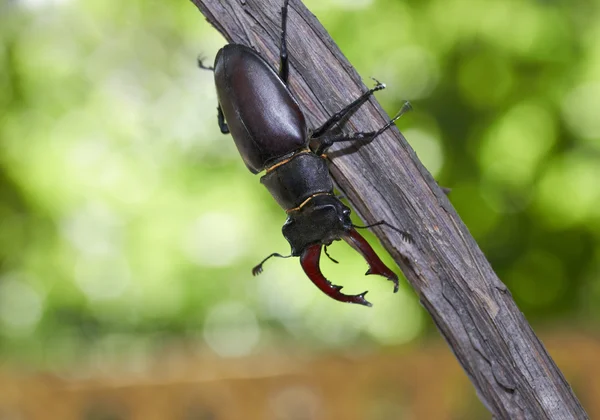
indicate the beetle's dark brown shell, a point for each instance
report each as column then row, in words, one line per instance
column 263, row 117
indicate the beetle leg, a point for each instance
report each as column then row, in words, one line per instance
column 221, row 120
column 310, row 264
column 204, row 67
column 284, row 65
column 220, row 117
column 338, row 116
column 406, row 237
column 258, row 268
column 326, row 141
column 376, row 266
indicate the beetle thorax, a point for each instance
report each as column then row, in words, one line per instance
column 299, row 178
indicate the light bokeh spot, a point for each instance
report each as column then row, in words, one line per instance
column 413, row 69
column 102, row 277
column 21, row 306
column 517, row 144
column 580, row 111
column 427, row 147
column 216, row 239
column 568, row 192
column 231, row 329
column 397, row 320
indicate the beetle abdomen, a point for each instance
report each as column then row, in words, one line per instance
column 264, row 119
column 305, row 175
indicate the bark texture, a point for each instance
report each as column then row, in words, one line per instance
column 511, row 370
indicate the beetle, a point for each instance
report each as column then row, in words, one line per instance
column 271, row 135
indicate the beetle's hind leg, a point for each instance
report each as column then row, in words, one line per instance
column 284, row 65
column 347, row 110
column 322, row 143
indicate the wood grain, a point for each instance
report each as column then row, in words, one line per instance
column 511, row 370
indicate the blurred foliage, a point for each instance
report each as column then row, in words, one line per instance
column 127, row 219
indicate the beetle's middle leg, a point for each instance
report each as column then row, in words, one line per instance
column 220, row 117
column 344, row 112
column 322, row 143
column 221, row 120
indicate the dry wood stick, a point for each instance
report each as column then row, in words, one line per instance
column 511, row 370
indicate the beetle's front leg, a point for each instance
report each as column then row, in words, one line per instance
column 326, row 141
column 343, row 113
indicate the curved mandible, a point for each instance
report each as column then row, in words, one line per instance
column 310, row 264
column 376, row 266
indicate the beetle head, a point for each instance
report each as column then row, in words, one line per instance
column 322, row 220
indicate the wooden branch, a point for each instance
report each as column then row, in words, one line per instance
column 510, row 368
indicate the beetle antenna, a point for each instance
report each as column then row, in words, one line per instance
column 329, row 256
column 258, row 269
column 406, row 237
column 405, row 108
column 202, row 66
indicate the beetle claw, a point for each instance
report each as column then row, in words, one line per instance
column 407, row 237
column 310, row 264
column 376, row 266
column 379, row 85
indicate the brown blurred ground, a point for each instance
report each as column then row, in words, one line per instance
column 421, row 382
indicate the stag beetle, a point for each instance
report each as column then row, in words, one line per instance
column 271, row 134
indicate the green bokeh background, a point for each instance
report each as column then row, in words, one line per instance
column 127, row 220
